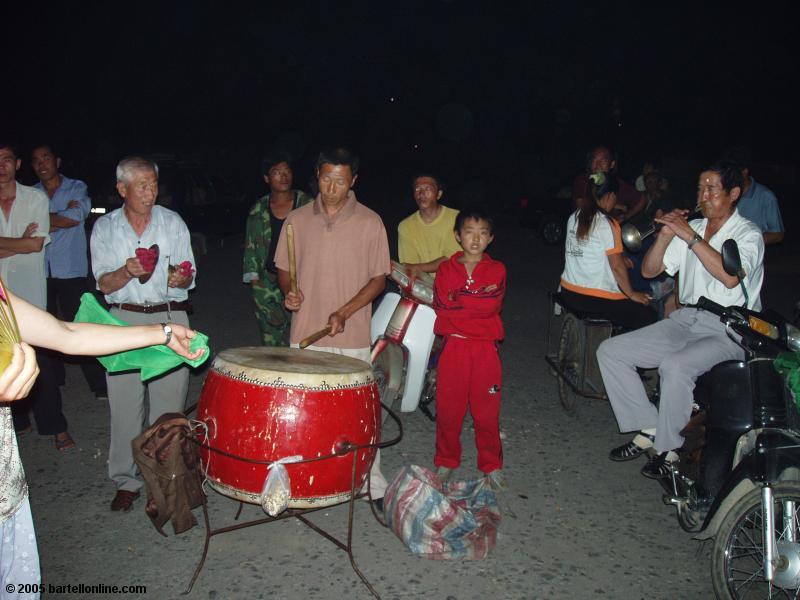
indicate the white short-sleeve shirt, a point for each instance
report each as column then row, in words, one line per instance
column 586, row 267
column 696, row 281
column 114, row 241
column 24, row 274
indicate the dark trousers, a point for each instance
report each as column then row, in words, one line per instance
column 63, row 299
column 625, row 313
column 44, row 399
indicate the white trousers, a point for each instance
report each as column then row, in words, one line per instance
column 683, row 346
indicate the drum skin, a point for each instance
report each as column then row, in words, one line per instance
column 271, row 403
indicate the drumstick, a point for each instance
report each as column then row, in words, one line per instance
column 292, row 263
column 315, row 337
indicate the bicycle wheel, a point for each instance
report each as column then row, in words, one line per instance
column 570, row 361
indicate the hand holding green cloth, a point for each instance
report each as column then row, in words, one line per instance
column 788, row 365
column 152, row 361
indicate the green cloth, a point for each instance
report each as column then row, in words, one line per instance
column 152, row 361
column 788, row 365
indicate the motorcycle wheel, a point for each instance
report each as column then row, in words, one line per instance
column 570, row 361
column 382, row 373
column 737, row 569
column 427, row 400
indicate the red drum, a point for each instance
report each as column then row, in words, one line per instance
column 272, row 403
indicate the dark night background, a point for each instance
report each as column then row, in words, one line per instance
column 501, row 98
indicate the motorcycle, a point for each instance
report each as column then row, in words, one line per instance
column 738, row 478
column 402, row 338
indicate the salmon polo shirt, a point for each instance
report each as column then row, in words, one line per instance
column 335, row 258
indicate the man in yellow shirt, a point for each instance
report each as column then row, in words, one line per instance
column 426, row 238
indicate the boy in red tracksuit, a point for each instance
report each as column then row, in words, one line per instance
column 468, row 295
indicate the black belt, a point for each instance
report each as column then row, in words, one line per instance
column 154, row 308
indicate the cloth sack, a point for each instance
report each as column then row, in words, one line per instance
column 454, row 520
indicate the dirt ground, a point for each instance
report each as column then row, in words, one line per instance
column 575, row 525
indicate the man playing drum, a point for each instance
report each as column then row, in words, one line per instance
column 342, row 258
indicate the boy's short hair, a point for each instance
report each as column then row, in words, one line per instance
column 474, row 212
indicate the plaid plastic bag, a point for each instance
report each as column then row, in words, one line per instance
column 455, row 520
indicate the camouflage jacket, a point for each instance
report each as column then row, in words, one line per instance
column 258, row 235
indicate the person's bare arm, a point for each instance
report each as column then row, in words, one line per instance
column 364, row 296
column 20, row 374
column 116, row 280
column 427, row 267
column 59, row 222
column 710, row 258
column 773, row 237
column 23, row 245
column 291, row 300
column 620, row 271
column 40, row 328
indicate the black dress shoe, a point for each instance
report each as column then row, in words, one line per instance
column 630, row 450
column 658, row 467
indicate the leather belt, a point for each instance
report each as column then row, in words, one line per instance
column 154, row 308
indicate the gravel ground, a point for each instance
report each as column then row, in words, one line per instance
column 575, row 525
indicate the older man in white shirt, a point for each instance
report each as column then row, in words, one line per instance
column 139, row 296
column 690, row 341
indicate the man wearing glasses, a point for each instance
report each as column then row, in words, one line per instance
column 690, row 341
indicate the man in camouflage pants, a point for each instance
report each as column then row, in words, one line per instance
column 261, row 236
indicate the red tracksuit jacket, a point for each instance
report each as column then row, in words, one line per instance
column 465, row 308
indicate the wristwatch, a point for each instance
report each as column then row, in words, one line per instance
column 697, row 238
column 167, row 332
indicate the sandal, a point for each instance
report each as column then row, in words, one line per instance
column 65, row 444
column 632, row 450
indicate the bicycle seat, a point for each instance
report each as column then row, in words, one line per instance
column 589, row 317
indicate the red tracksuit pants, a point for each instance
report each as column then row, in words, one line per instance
column 469, row 375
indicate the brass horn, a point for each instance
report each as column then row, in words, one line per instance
column 632, row 237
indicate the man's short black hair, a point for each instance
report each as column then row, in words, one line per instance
column 272, row 159
column 477, row 213
column 740, row 155
column 338, row 156
column 45, row 144
column 10, row 146
column 436, row 178
column 730, row 174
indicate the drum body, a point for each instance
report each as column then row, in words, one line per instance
column 271, row 403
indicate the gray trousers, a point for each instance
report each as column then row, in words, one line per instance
column 683, row 347
column 166, row 393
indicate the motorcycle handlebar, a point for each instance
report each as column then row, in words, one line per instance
column 709, row 305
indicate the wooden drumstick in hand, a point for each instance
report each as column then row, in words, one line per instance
column 292, row 263
column 315, row 337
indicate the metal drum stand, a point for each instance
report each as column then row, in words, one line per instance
column 300, row 514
